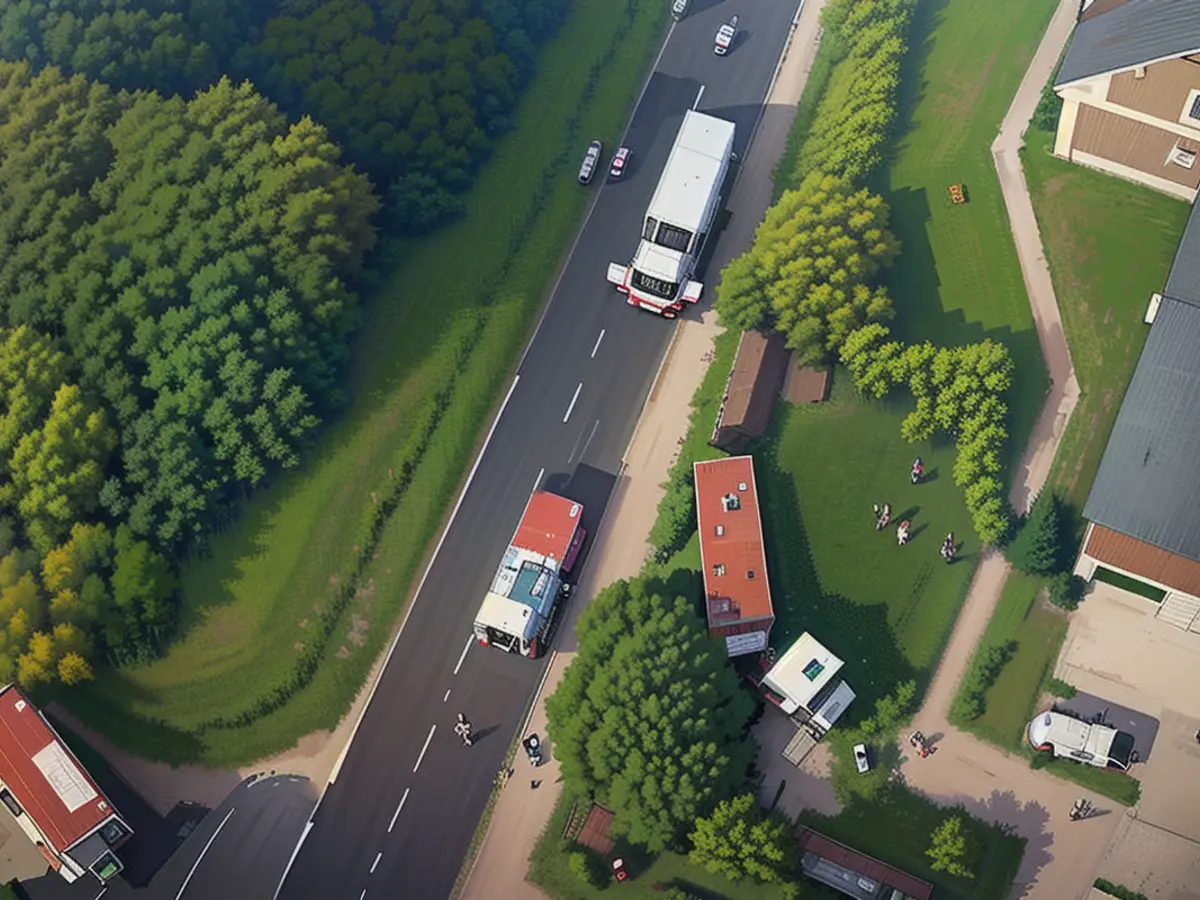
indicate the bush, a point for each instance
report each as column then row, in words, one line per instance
column 1066, row 590
column 1041, row 759
column 1119, row 891
column 952, row 849
column 676, row 519
column 971, row 702
column 582, row 866
column 1060, row 688
column 738, row 842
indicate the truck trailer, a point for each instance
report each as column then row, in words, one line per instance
column 518, row 612
column 679, row 219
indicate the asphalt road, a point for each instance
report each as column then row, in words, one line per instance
column 399, row 819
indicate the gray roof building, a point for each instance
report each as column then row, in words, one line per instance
column 1148, row 485
column 1131, row 34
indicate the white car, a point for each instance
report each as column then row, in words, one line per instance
column 617, row 167
column 724, row 38
column 591, row 159
column 861, row 760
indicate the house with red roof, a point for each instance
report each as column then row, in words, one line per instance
column 52, row 797
column 737, row 592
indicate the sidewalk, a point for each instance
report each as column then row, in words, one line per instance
column 521, row 814
column 1061, row 856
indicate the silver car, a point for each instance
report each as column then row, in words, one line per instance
column 591, row 159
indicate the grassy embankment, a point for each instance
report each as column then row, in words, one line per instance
column 329, row 554
column 1104, row 272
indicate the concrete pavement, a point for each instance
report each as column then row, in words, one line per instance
column 521, row 814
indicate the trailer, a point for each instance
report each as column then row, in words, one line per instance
column 679, row 219
column 517, row 614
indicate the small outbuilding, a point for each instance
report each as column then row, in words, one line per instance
column 754, row 384
column 804, row 684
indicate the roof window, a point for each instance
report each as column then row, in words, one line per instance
column 719, row 569
column 742, row 486
column 750, row 574
column 731, row 501
column 720, row 530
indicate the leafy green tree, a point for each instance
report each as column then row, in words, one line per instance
column 738, row 842
column 57, row 468
column 951, row 850
column 878, row 731
column 650, row 716
column 1038, row 546
column 807, row 273
column 143, row 590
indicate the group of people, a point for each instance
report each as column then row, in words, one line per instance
column 883, row 518
column 463, row 729
column 922, row 746
column 1081, row 809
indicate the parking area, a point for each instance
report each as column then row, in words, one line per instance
column 1142, row 727
column 1141, row 674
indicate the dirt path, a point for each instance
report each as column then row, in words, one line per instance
column 520, row 813
column 1061, row 856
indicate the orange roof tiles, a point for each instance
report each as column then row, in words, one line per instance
column 734, row 560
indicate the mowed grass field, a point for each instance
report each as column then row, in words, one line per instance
column 1109, row 244
column 958, row 279
column 441, row 334
column 885, row 609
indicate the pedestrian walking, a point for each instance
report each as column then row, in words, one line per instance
column 885, row 516
column 875, row 507
column 463, row 729
column 902, row 533
column 918, row 469
column 535, row 784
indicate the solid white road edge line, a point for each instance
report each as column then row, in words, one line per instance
column 196, row 864
column 461, row 657
column 396, row 814
column 296, row 852
column 597, row 345
column 375, row 865
column 337, row 768
column 574, row 398
column 432, row 729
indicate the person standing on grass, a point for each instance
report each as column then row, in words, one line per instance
column 918, row 469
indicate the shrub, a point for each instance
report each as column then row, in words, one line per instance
column 1066, row 590
column 971, row 702
column 1119, row 891
column 583, row 867
column 676, row 519
column 738, row 842
column 1041, row 759
column 951, row 849
column 1060, row 688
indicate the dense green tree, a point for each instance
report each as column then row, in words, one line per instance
column 143, row 587
column 1038, row 547
column 57, row 468
column 737, row 841
column 650, row 716
column 951, row 849
column 808, row 271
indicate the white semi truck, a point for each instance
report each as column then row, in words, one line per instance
column 679, row 219
column 518, row 611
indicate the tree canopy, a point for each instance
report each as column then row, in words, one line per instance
column 414, row 90
column 650, row 716
column 740, row 843
column 808, row 273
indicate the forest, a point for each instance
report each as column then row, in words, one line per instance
column 415, row 91
column 189, row 194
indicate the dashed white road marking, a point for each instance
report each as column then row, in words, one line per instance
column 432, row 729
column 574, row 398
column 396, row 814
column 597, row 346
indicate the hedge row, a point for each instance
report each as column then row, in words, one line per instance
column 971, row 702
column 855, row 117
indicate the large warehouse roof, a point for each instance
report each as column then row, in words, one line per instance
column 1148, row 485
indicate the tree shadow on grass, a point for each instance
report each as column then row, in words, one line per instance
column 859, row 634
column 101, row 710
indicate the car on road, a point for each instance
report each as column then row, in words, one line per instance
column 861, row 760
column 617, row 167
column 591, row 159
column 725, row 36
column 679, row 9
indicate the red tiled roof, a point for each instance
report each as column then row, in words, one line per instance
column 826, row 848
column 27, row 740
column 739, row 548
column 1140, row 558
column 548, row 525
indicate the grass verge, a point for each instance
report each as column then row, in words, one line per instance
column 1104, row 272
column 328, row 555
column 1125, row 583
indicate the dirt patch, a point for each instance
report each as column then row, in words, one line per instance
column 367, row 591
column 335, row 579
column 1053, row 185
column 358, row 630
column 1107, row 400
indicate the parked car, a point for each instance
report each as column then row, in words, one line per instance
column 679, row 9
column 725, row 36
column 861, row 760
column 591, row 159
column 617, row 167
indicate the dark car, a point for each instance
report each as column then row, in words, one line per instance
column 591, row 159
